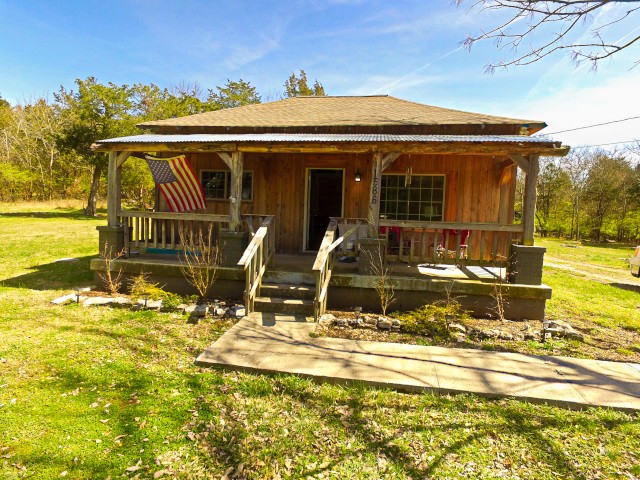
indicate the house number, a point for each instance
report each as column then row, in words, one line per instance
column 374, row 189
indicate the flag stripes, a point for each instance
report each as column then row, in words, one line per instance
column 178, row 183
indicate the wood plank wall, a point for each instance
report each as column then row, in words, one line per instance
column 475, row 190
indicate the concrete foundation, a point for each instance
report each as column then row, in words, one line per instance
column 525, row 264
column 520, row 301
column 348, row 290
column 167, row 273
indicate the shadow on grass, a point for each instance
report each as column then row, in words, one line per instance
column 626, row 286
column 71, row 213
column 55, row 276
column 505, row 421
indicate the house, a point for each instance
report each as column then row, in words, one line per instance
column 295, row 183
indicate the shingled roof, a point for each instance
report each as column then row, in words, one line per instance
column 341, row 114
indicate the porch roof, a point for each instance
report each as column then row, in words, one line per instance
column 335, row 143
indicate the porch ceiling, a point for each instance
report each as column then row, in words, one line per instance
column 336, row 143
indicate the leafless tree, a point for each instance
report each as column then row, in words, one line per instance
column 527, row 18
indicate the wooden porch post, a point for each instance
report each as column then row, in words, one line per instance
column 234, row 162
column 530, row 197
column 378, row 165
column 114, row 186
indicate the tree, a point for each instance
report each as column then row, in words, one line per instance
column 528, row 18
column 298, row 86
column 234, row 94
column 93, row 112
column 606, row 190
column 553, row 184
column 577, row 165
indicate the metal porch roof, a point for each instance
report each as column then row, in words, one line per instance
column 320, row 137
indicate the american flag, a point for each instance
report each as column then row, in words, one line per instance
column 178, row 183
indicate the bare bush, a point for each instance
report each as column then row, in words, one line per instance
column 383, row 284
column 201, row 259
column 111, row 281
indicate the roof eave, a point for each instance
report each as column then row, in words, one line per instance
column 550, row 148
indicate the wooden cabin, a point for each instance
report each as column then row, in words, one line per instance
column 316, row 177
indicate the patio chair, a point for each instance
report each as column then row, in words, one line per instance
column 449, row 238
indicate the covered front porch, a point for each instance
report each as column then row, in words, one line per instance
column 426, row 259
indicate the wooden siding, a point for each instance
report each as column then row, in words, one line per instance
column 476, row 190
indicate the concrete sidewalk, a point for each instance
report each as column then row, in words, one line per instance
column 258, row 343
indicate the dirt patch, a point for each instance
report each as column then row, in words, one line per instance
column 600, row 343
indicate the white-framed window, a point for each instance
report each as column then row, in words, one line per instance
column 421, row 198
column 217, row 184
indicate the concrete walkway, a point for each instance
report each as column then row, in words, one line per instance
column 258, row 343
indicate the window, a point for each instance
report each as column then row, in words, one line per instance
column 217, row 184
column 422, row 199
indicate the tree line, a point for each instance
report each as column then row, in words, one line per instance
column 45, row 144
column 45, row 154
column 589, row 194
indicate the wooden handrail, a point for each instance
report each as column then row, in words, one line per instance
column 492, row 227
column 255, row 260
column 202, row 217
column 324, row 264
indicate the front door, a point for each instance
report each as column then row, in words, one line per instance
column 325, row 200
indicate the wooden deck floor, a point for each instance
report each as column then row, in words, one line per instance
column 304, row 263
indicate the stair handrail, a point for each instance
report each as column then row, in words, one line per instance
column 255, row 260
column 323, row 265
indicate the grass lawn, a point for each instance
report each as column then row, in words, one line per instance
column 109, row 393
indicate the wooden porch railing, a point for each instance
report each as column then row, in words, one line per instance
column 162, row 229
column 255, row 259
column 438, row 242
column 442, row 242
column 323, row 265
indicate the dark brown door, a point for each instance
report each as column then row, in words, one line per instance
column 325, row 200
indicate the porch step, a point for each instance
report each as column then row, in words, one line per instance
column 287, row 290
column 293, row 306
column 292, row 278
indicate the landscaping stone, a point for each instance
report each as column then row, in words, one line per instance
column 151, row 304
column 384, row 323
column 240, row 311
column 561, row 328
column 354, row 322
column 489, row 333
column 341, row 322
column 200, row 310
column 396, row 325
column 457, row 327
column 505, row 335
column 105, row 301
column 327, row 319
column 190, row 309
column 64, row 299
column 371, row 321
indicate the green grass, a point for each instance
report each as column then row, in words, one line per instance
column 604, row 304
column 600, row 255
column 101, row 392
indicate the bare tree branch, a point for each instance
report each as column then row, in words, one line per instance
column 527, row 17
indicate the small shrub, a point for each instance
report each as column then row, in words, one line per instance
column 431, row 320
column 171, row 300
column 142, row 288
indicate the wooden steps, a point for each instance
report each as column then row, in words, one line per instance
column 285, row 298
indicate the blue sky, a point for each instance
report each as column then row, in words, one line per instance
column 409, row 49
